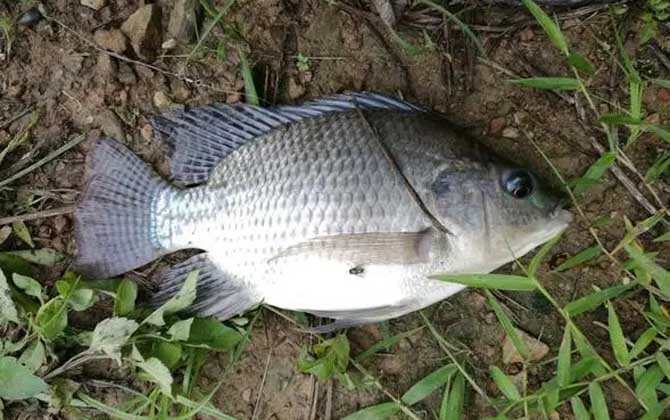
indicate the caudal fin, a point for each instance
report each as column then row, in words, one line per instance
column 114, row 220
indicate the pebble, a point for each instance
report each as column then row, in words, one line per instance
column 391, row 365
column 161, row 100
column 147, row 132
column 105, row 66
column 536, row 349
column 113, row 40
column 527, row 35
column 94, row 4
column 60, row 223
column 126, row 74
column 510, row 133
column 184, row 19
column 169, row 44
column 111, row 125
column 295, row 90
column 246, row 395
column 143, row 28
column 496, row 125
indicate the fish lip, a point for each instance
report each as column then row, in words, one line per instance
column 560, row 214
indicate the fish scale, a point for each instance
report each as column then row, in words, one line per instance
column 343, row 207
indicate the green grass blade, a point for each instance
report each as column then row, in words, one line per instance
column 663, row 238
column 619, row 119
column 598, row 403
column 456, row 399
column 548, row 83
column 596, row 299
column 658, row 168
column 376, row 412
column 642, row 342
column 490, row 281
column 385, row 344
column 617, row 337
column 541, row 255
column 111, row 411
column 594, row 173
column 507, row 325
column 249, row 88
column 578, row 408
column 505, row 384
column 550, row 27
column 428, row 384
column 658, row 273
column 581, row 63
column 580, row 258
column 663, row 363
column 646, row 385
column 563, row 369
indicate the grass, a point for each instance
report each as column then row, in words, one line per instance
column 41, row 348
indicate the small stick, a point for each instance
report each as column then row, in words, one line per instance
column 260, row 389
column 37, row 215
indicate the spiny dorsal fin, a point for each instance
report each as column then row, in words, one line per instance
column 199, row 138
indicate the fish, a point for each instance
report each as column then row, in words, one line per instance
column 345, row 207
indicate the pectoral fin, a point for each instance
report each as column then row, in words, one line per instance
column 368, row 248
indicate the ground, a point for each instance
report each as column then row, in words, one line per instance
column 304, row 49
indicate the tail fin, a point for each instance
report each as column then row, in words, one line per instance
column 114, row 220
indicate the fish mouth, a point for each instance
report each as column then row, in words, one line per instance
column 559, row 214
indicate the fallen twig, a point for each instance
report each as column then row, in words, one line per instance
column 37, row 215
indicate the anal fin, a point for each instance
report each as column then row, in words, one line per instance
column 217, row 295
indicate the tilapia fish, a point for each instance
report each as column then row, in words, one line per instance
column 343, row 207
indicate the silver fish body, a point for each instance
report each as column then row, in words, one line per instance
column 343, row 214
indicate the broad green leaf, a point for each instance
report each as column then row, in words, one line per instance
column 376, row 412
column 456, row 398
column 44, row 256
column 126, row 294
column 564, row 352
column 168, row 353
column 81, row 299
column 17, row 382
column 550, row 27
column 30, row 286
column 51, row 318
column 111, row 334
column 617, row 337
column 598, row 403
column 182, row 300
column 249, row 88
column 490, row 281
column 12, row 264
column 596, row 299
column 507, row 325
column 21, row 230
column 505, row 384
column 658, row 273
column 579, row 410
column 581, row 63
column 428, row 384
column 580, row 258
column 541, row 255
column 329, row 358
column 548, row 83
column 8, row 312
column 642, row 342
column 663, row 363
column 213, row 334
column 594, row 173
column 180, row 330
column 385, row 344
column 157, row 372
column 61, row 392
column 34, row 356
column 647, row 383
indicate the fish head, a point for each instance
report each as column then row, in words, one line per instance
column 496, row 212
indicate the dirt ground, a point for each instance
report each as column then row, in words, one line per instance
column 56, row 69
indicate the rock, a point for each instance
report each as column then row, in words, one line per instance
column 30, row 17
column 147, row 132
column 184, row 20
column 60, row 223
column 113, row 40
column 246, row 395
column 391, row 364
column 161, row 100
column 111, row 126
column 106, row 66
column 143, row 28
column 169, row 44
column 536, row 349
column 295, row 90
column 510, row 133
column 496, row 125
column 527, row 34
column 94, row 4
column 126, row 74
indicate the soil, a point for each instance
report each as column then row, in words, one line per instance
column 56, row 70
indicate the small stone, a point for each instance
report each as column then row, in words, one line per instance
column 111, row 125
column 126, row 74
column 161, row 100
column 510, row 133
column 169, row 44
column 663, row 95
column 476, row 301
column 184, row 19
column 295, row 90
column 113, row 40
column 246, row 395
column 653, row 119
column 60, row 224
column 536, row 349
column 94, row 4
column 105, row 66
column 496, row 125
column 147, row 132
column 527, row 35
column 391, row 365
column 143, row 28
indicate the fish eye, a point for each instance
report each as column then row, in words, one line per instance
column 519, row 184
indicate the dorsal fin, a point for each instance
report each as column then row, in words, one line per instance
column 199, row 138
